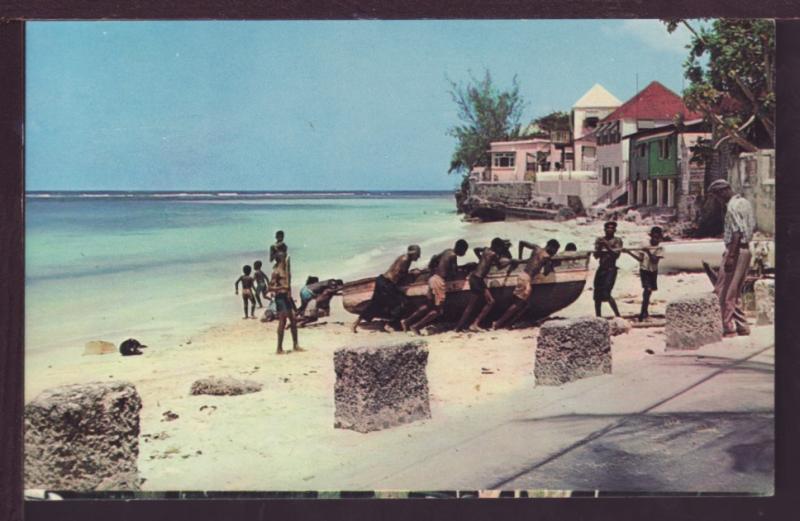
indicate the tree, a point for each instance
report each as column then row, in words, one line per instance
column 487, row 114
column 731, row 67
column 557, row 120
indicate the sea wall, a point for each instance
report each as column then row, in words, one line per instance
column 560, row 188
column 513, row 194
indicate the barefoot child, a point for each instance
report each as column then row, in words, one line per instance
column 261, row 282
column 648, row 268
column 279, row 285
column 247, row 291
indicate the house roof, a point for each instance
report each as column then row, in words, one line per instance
column 597, row 96
column 653, row 102
column 692, row 126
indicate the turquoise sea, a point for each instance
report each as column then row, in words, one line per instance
column 161, row 267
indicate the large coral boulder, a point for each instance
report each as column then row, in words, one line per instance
column 378, row 387
column 83, row 437
column 567, row 350
column 693, row 321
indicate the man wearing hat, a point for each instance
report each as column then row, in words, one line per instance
column 388, row 300
column 606, row 250
column 739, row 226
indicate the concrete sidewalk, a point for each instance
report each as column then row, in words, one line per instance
column 686, row 421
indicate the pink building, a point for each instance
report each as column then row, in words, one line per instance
column 517, row 161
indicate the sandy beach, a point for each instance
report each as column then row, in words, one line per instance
column 282, row 438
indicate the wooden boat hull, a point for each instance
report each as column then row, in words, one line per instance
column 550, row 293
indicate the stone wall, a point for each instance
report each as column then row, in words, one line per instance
column 513, row 194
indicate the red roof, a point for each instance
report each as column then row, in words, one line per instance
column 653, row 102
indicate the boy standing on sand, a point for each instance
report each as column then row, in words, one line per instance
column 648, row 268
column 247, row 291
column 443, row 266
column 261, row 282
column 279, row 286
column 607, row 250
column 538, row 261
column 387, row 298
column 278, row 246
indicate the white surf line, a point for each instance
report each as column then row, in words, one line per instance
column 622, row 421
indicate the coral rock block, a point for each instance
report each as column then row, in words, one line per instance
column 765, row 301
column 378, row 387
column 567, row 350
column 83, row 437
column 693, row 321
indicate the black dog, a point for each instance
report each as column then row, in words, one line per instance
column 131, row 347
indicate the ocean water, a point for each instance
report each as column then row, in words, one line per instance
column 160, row 267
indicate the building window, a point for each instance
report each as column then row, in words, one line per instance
column 616, row 175
column 663, row 149
column 504, row 159
column 589, row 151
column 590, row 122
column 642, row 150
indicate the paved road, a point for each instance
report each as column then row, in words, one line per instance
column 674, row 422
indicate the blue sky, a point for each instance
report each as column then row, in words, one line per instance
column 316, row 105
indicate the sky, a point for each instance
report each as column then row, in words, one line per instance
column 301, row 105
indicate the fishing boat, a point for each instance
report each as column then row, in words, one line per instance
column 551, row 293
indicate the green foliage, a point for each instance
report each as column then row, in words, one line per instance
column 731, row 67
column 557, row 120
column 487, row 114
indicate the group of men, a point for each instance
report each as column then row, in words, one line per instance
column 389, row 301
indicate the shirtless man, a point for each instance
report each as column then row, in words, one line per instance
column 387, row 298
column 279, row 285
column 539, row 261
column 488, row 257
column 443, row 266
column 607, row 250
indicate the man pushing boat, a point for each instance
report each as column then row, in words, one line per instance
column 478, row 290
column 443, row 267
column 539, row 261
column 388, row 300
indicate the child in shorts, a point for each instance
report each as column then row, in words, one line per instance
column 247, row 282
column 261, row 282
column 648, row 258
